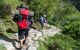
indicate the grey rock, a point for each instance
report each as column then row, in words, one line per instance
column 32, row 48
column 41, row 38
column 8, row 45
column 36, row 45
column 38, row 34
column 36, row 38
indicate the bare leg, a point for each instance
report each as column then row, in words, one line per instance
column 26, row 40
column 22, row 41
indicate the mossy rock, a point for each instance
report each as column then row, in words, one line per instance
column 36, row 26
column 11, row 26
column 2, row 28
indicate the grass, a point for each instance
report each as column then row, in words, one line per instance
column 7, row 24
column 8, row 28
column 2, row 47
column 12, row 3
column 60, row 42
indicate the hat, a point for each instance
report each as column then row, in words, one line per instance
column 44, row 15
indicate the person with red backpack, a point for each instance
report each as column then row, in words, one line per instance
column 23, row 24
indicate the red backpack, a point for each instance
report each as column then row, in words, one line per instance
column 23, row 24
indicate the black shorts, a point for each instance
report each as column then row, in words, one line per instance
column 22, row 33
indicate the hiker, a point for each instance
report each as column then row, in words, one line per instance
column 42, row 20
column 21, row 20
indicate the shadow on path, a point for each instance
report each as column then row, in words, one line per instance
column 2, row 36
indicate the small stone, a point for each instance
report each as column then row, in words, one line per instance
column 36, row 42
column 17, row 44
column 32, row 48
column 16, row 34
column 29, row 38
column 30, row 43
column 48, row 25
column 23, row 49
column 45, row 36
column 37, row 45
column 39, row 34
column 36, row 38
column 31, row 35
column 45, row 33
column 41, row 38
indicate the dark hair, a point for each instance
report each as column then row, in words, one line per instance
column 17, row 7
column 23, row 6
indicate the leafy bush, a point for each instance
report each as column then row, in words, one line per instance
column 2, row 27
column 67, row 19
column 63, row 11
column 6, row 6
column 4, row 9
column 60, row 42
column 47, row 7
column 73, row 29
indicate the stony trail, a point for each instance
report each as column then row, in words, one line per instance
column 33, row 38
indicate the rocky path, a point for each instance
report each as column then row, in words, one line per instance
column 33, row 38
column 8, row 45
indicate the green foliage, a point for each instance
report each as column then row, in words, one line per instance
column 43, row 7
column 68, row 18
column 2, row 29
column 4, row 9
column 8, row 27
column 70, row 24
column 2, row 47
column 11, row 26
column 12, row 3
column 6, row 6
column 61, row 42
column 59, row 16
column 73, row 29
